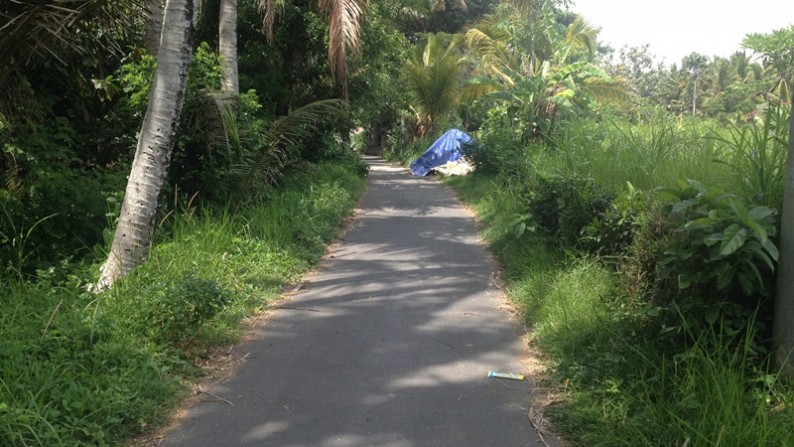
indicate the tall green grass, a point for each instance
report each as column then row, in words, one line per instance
column 648, row 155
column 78, row 369
column 756, row 155
column 711, row 395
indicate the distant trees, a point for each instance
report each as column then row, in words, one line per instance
column 777, row 52
column 717, row 87
column 530, row 79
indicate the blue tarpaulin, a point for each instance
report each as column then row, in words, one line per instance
column 445, row 149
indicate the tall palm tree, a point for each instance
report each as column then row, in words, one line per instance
column 133, row 235
column 696, row 64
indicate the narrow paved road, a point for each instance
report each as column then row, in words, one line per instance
column 388, row 345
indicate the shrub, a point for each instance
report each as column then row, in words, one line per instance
column 70, row 376
column 174, row 313
column 53, row 206
column 563, row 206
column 611, row 232
column 497, row 152
column 721, row 243
column 716, row 265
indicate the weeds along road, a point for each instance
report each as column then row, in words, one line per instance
column 388, row 344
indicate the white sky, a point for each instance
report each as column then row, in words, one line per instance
column 675, row 28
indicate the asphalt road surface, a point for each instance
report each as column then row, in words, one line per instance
column 388, row 344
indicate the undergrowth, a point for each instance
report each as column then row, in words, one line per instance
column 630, row 367
column 79, row 369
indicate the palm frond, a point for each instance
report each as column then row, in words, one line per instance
column 53, row 29
column 491, row 43
column 344, row 30
column 268, row 9
column 13, row 179
column 279, row 143
column 409, row 19
column 615, row 92
column 207, row 114
column 581, row 35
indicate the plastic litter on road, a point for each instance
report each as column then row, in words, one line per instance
column 501, row 375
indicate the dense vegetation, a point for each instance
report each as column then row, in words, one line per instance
column 635, row 206
column 635, row 209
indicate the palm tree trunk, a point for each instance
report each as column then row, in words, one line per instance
column 783, row 324
column 153, row 9
column 155, row 143
column 227, row 46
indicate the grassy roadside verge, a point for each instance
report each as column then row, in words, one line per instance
column 78, row 369
column 619, row 382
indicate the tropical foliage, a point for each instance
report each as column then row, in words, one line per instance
column 636, row 206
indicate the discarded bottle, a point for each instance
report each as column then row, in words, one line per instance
column 501, row 375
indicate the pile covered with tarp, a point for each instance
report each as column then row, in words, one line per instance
column 444, row 151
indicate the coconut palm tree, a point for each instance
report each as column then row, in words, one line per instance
column 133, row 235
column 696, row 64
column 227, row 47
column 433, row 75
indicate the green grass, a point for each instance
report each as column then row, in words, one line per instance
column 710, row 395
column 648, row 155
column 78, row 369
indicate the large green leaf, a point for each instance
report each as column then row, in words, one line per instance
column 760, row 213
column 683, row 205
column 771, row 248
column 732, row 239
